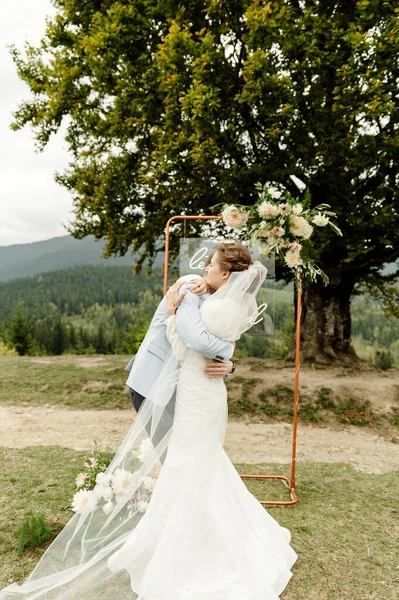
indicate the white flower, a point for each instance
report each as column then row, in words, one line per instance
column 121, row 480
column 300, row 227
column 84, row 499
column 149, row 483
column 104, row 492
column 107, row 493
column 145, row 449
column 284, row 208
column 277, row 232
column 274, row 193
column 295, row 246
column 297, row 209
column 293, row 259
column 267, row 210
column 108, row 507
column 80, row 479
column 233, row 217
column 142, row 505
column 100, row 477
column 264, row 250
column 320, row 220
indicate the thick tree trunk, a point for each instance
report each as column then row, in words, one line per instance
column 326, row 323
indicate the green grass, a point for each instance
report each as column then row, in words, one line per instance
column 60, row 381
column 345, row 527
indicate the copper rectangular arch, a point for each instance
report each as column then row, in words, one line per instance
column 289, row 482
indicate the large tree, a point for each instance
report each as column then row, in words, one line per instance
column 172, row 107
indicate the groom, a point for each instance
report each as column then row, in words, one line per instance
column 146, row 365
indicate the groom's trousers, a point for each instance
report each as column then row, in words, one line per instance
column 164, row 424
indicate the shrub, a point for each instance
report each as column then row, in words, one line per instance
column 33, row 532
column 383, row 360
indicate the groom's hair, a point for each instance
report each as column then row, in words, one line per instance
column 233, row 256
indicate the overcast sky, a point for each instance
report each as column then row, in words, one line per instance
column 32, row 206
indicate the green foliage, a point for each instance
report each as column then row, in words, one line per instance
column 5, row 351
column 20, row 331
column 383, row 360
column 394, row 416
column 58, row 342
column 135, row 335
column 354, row 412
column 319, row 406
column 33, row 532
column 72, row 291
column 89, row 309
column 375, row 334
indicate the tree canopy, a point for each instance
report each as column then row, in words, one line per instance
column 173, row 107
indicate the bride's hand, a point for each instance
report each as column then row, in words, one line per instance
column 173, row 298
column 200, row 286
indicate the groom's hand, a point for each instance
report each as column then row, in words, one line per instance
column 173, row 298
column 218, row 369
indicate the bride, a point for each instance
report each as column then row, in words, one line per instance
column 187, row 528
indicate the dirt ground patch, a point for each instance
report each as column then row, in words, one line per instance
column 84, row 362
column 251, row 438
column 381, row 388
column 250, row 443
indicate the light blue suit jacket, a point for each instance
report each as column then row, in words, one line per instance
column 146, row 365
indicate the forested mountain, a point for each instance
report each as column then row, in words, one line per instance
column 105, row 309
column 24, row 260
column 71, row 291
column 91, row 308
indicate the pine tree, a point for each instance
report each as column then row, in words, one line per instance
column 59, row 338
column 20, row 331
column 72, row 337
column 101, row 345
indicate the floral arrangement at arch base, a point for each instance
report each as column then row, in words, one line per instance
column 281, row 223
column 97, row 492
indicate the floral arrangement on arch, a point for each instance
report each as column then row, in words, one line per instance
column 278, row 222
column 95, row 491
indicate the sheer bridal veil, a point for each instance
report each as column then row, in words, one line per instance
column 75, row 564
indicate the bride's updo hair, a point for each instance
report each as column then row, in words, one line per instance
column 233, row 256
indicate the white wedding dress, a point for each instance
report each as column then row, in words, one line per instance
column 204, row 536
column 200, row 535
